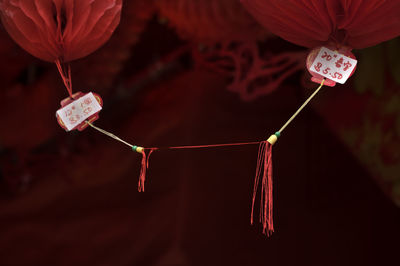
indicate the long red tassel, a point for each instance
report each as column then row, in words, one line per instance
column 264, row 167
column 145, row 166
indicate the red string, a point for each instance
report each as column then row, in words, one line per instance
column 146, row 156
column 66, row 76
column 205, row 146
column 263, row 172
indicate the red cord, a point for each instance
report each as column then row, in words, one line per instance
column 65, row 75
column 263, row 172
column 205, row 146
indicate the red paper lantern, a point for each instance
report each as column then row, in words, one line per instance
column 62, row 30
column 311, row 23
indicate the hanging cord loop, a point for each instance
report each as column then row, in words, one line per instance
column 65, row 75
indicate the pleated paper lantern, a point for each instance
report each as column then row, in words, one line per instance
column 340, row 25
column 62, row 30
column 311, row 23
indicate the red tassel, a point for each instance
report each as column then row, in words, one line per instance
column 145, row 166
column 264, row 166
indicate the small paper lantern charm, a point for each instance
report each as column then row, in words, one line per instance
column 62, row 30
column 333, row 65
column 78, row 111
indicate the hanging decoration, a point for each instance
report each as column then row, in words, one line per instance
column 368, row 121
column 331, row 29
column 26, row 82
column 338, row 25
column 60, row 31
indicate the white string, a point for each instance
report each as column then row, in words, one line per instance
column 110, row 135
column 302, row 107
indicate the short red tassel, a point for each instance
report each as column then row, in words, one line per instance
column 145, row 166
column 264, row 166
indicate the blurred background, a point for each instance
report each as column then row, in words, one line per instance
column 187, row 73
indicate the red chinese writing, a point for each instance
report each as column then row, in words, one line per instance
column 318, row 66
column 336, row 75
column 74, row 119
column 87, row 110
column 87, row 101
column 327, row 56
column 326, row 70
column 339, row 63
column 347, row 65
column 68, row 112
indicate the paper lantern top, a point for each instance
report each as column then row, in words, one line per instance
column 311, row 23
column 62, row 30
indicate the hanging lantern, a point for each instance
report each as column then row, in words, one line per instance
column 311, row 23
column 339, row 25
column 59, row 29
column 331, row 28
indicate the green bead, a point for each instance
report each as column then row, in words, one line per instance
column 134, row 148
column 277, row 134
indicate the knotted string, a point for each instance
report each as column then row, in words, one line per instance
column 65, row 75
column 146, row 152
column 263, row 169
column 205, row 146
column 264, row 172
column 141, row 150
column 264, row 161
